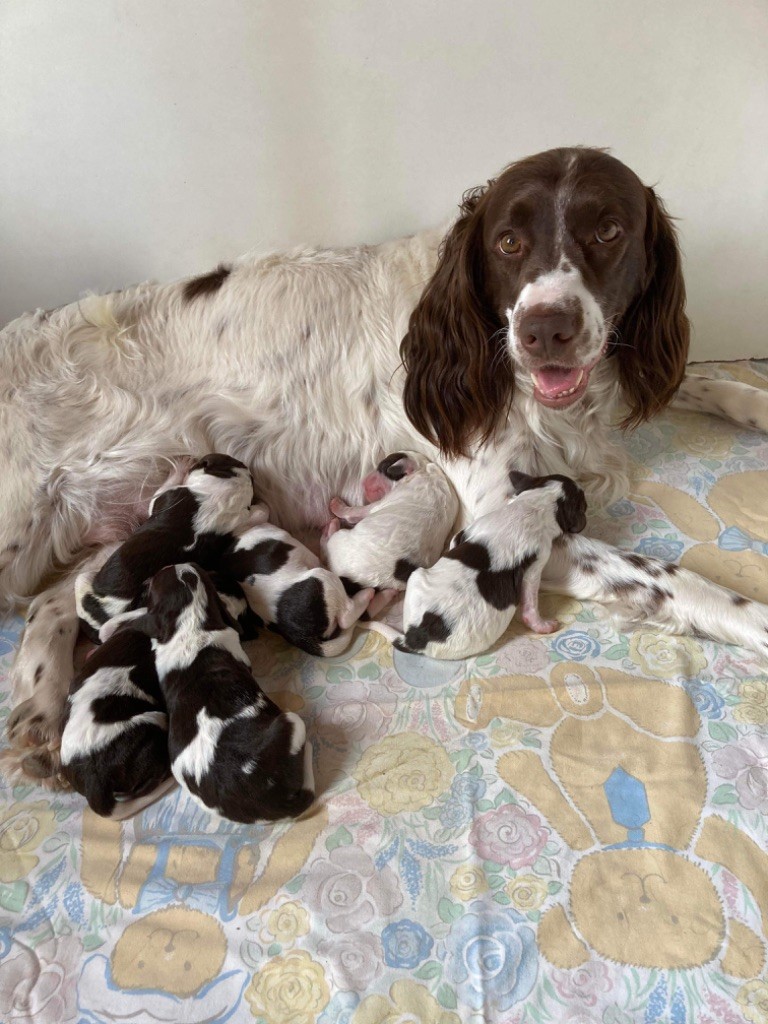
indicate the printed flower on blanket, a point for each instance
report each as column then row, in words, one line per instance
column 347, row 892
column 753, row 1000
column 41, row 982
column 23, row 828
column 509, row 836
column 403, row 773
column 290, row 988
column 288, row 922
column 468, row 882
column 666, row 656
column 527, row 892
column 747, row 765
column 491, row 957
column 407, row 1002
column 753, row 708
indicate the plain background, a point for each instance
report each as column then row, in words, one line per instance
column 145, row 139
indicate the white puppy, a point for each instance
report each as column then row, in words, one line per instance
column 412, row 507
column 465, row 602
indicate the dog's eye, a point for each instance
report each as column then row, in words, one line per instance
column 510, row 244
column 607, row 231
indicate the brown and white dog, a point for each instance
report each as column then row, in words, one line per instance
column 552, row 308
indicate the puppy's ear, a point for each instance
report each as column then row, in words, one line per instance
column 522, row 481
column 654, row 332
column 458, row 381
column 571, row 511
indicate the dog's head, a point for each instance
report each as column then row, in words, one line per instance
column 563, row 260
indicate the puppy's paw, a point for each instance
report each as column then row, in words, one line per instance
column 538, row 625
column 337, row 507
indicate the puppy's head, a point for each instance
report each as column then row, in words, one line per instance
column 131, row 766
column 184, row 591
column 216, row 473
column 571, row 511
column 216, row 464
column 275, row 777
column 389, row 472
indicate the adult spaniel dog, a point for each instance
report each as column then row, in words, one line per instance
column 550, row 311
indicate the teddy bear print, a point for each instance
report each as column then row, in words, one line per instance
column 622, row 781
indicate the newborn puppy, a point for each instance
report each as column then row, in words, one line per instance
column 114, row 745
column 230, row 746
column 465, row 602
column 195, row 520
column 411, row 511
column 288, row 589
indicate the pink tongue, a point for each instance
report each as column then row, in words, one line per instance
column 552, row 380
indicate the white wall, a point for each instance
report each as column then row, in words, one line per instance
column 152, row 138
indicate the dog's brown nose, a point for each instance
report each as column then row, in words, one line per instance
column 545, row 330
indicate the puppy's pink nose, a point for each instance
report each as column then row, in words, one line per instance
column 375, row 486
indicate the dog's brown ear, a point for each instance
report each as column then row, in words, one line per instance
column 458, row 382
column 654, row 331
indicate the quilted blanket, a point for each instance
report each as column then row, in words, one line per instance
column 566, row 829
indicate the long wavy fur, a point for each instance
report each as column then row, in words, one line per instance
column 458, row 380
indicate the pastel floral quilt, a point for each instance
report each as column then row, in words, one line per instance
column 568, row 829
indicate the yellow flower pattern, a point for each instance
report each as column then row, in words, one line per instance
column 408, row 1003
column 289, row 989
column 403, row 773
column 23, row 828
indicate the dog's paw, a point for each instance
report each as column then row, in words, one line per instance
column 34, row 732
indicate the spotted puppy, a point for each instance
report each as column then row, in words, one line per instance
column 288, row 588
column 192, row 521
column 114, row 745
column 229, row 745
column 411, row 509
column 465, row 602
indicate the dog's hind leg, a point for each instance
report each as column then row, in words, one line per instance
column 645, row 591
column 40, row 679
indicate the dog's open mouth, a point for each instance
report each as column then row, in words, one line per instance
column 559, row 386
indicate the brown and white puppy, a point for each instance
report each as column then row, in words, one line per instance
column 234, row 750
column 465, row 602
column 114, row 745
column 412, row 507
column 288, row 589
column 193, row 521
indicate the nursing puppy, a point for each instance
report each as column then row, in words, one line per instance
column 465, row 602
column 114, row 745
column 411, row 510
column 229, row 745
column 193, row 521
column 288, row 588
